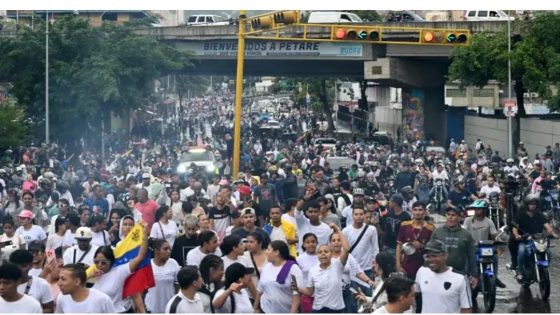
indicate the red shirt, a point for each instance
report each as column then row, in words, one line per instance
column 148, row 210
column 407, row 233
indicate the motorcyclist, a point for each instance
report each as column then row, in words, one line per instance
column 510, row 169
column 459, row 196
column 530, row 221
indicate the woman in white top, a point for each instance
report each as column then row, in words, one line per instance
column 208, row 241
column 233, row 249
column 352, row 272
column 383, row 267
column 165, row 271
column 325, row 279
column 176, row 206
column 56, row 239
column 275, row 294
column 27, row 231
column 165, row 228
column 234, row 299
column 111, row 279
column 12, row 203
column 257, row 244
column 305, row 261
column 9, row 235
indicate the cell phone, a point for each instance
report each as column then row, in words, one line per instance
column 6, row 243
column 353, row 291
column 50, row 255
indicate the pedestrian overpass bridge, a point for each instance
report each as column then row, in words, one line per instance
column 215, row 48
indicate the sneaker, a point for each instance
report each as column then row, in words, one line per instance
column 500, row 284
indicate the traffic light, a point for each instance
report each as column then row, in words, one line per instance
column 275, row 19
column 365, row 34
column 444, row 37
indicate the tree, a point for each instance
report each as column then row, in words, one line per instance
column 14, row 130
column 93, row 71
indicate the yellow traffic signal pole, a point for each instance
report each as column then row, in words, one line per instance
column 238, row 94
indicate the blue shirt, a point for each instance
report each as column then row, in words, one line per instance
column 102, row 204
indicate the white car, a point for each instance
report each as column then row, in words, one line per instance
column 272, row 124
column 199, row 157
column 206, row 19
column 487, row 15
column 328, row 143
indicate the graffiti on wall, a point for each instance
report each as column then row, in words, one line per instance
column 413, row 114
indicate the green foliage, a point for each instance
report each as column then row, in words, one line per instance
column 92, row 71
column 14, row 131
column 535, row 59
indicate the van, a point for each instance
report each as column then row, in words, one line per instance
column 206, row 19
column 487, row 15
column 333, row 17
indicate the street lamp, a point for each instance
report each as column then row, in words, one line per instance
column 509, row 118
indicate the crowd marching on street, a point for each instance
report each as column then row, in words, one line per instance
column 141, row 232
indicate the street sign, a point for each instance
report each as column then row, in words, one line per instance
column 510, row 108
column 362, row 34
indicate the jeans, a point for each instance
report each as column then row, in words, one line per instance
column 522, row 252
column 327, row 310
column 350, row 303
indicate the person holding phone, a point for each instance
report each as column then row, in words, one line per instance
column 9, row 241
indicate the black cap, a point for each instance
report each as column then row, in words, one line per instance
column 435, row 246
column 36, row 246
column 454, row 209
column 398, row 199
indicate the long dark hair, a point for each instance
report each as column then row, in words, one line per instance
column 209, row 261
column 386, row 262
column 282, row 248
column 262, row 238
column 107, row 251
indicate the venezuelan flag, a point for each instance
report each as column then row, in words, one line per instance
column 141, row 279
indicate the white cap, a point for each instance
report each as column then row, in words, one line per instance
column 83, row 233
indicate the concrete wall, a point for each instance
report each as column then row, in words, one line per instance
column 535, row 133
column 492, row 131
column 388, row 119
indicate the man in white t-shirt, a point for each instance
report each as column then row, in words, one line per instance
column 311, row 224
column 438, row 282
column 490, row 187
column 76, row 298
column 35, row 287
column 400, row 295
column 364, row 249
column 99, row 236
column 82, row 252
column 11, row 301
column 187, row 300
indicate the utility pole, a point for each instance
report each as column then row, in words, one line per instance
column 509, row 118
column 47, row 131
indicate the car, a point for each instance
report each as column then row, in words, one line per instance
column 402, row 16
column 201, row 157
column 206, row 19
column 272, row 124
column 436, row 149
column 382, row 138
column 487, row 15
column 333, row 17
column 325, row 142
column 336, row 162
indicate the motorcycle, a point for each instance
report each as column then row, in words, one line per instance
column 494, row 209
column 551, row 207
column 437, row 197
column 537, row 262
column 485, row 253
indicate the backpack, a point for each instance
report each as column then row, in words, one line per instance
column 346, row 199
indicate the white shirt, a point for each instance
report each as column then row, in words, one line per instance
column 305, row 262
column 70, row 258
column 40, row 290
column 167, row 231
column 276, row 297
column 327, row 285
column 25, row 304
column 195, row 256
column 96, row 302
column 322, row 231
column 165, row 277
column 277, row 234
column 69, row 239
column 433, row 288
column 487, row 190
column 98, row 240
column 54, row 241
column 112, row 283
column 440, row 175
column 290, row 219
column 240, row 259
column 368, row 247
column 242, row 303
column 7, row 250
column 347, row 214
column 186, row 305
column 35, row 233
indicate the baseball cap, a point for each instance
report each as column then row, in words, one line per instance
column 435, row 246
column 358, row 191
column 36, row 246
column 83, row 233
column 146, row 176
column 397, row 198
column 26, row 214
column 248, row 211
column 454, row 209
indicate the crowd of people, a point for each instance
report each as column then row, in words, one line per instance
column 287, row 234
